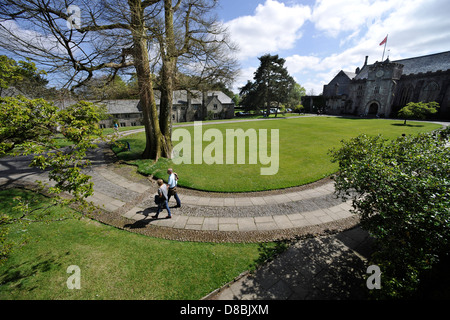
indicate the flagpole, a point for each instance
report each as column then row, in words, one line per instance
column 384, row 51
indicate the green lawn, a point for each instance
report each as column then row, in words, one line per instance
column 114, row 264
column 303, row 156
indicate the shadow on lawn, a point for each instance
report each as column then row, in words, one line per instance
column 17, row 276
column 408, row 125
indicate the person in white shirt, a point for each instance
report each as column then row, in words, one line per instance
column 172, row 184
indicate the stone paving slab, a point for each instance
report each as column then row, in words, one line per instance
column 104, row 201
column 123, row 182
column 263, row 223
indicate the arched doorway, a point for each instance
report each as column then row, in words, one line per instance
column 373, row 109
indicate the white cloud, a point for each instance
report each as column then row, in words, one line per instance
column 335, row 16
column 415, row 27
column 274, row 26
column 25, row 40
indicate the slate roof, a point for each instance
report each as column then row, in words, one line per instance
column 121, row 106
column 349, row 74
column 11, row 92
column 180, row 97
column 133, row 106
column 423, row 64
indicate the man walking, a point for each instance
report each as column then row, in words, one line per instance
column 163, row 200
column 172, row 183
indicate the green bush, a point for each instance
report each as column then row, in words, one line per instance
column 401, row 192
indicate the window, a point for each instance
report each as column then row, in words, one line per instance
column 215, row 107
column 360, row 91
column 102, row 126
column 376, row 90
column 133, row 124
column 123, row 124
column 406, row 95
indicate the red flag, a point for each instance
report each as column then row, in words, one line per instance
column 384, row 41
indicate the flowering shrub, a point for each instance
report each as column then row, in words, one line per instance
column 401, row 191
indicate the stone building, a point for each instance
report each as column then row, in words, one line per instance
column 383, row 88
column 187, row 106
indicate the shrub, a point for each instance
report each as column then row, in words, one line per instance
column 418, row 110
column 401, row 191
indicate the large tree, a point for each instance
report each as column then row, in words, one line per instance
column 272, row 84
column 110, row 36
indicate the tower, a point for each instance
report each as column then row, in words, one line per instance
column 381, row 87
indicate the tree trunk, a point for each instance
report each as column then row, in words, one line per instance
column 165, row 117
column 155, row 141
column 169, row 66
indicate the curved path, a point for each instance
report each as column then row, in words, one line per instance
column 204, row 216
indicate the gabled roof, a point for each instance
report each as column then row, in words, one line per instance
column 349, row 74
column 423, row 64
column 180, row 97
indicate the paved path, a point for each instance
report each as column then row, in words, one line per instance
column 330, row 267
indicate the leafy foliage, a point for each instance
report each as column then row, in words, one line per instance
column 23, row 75
column 272, row 86
column 419, row 110
column 28, row 127
column 401, row 191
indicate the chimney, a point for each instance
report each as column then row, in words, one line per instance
column 365, row 63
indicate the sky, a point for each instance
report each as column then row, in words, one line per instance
column 318, row 38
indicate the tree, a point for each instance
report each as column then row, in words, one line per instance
column 22, row 75
column 106, row 88
column 272, row 84
column 112, row 36
column 28, row 127
column 418, row 110
column 295, row 96
column 250, row 99
column 400, row 190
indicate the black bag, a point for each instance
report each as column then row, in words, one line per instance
column 157, row 199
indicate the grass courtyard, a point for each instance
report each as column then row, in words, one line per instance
column 118, row 265
column 303, row 152
column 114, row 264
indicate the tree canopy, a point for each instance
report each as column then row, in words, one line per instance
column 418, row 110
column 114, row 36
column 271, row 87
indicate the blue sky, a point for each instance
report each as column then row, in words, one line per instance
column 318, row 38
